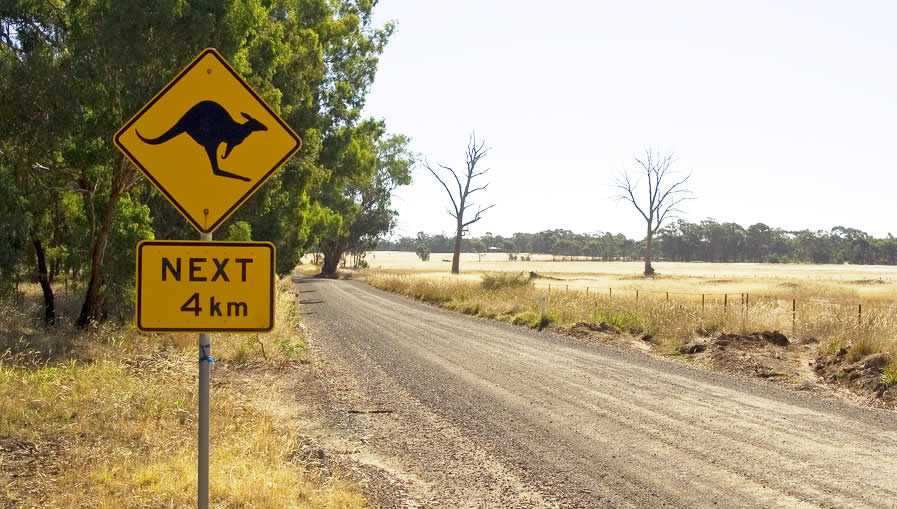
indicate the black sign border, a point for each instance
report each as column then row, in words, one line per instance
column 252, row 189
column 201, row 244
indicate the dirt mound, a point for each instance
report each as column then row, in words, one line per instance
column 719, row 281
column 692, row 348
column 735, row 361
column 585, row 329
column 864, row 375
column 753, row 339
column 743, row 353
column 736, row 342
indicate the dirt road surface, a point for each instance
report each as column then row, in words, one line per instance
column 468, row 412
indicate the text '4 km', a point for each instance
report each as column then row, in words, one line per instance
column 205, row 286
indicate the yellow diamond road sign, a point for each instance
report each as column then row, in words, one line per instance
column 207, row 141
column 205, row 286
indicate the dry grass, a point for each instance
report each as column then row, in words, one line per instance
column 871, row 284
column 685, row 301
column 107, row 418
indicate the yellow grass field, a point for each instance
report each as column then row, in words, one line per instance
column 874, row 285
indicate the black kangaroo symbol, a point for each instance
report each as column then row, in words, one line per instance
column 210, row 125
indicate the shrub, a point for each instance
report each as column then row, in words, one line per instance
column 528, row 318
column 423, row 252
column 861, row 348
column 889, row 375
column 497, row 280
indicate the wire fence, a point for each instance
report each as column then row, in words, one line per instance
column 807, row 317
column 743, row 302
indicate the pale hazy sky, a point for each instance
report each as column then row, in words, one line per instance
column 784, row 112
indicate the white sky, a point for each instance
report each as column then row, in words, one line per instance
column 783, row 111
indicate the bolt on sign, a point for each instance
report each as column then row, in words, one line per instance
column 205, row 286
column 207, row 141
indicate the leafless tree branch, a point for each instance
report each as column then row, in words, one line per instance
column 662, row 198
column 475, row 152
column 477, row 216
column 451, row 197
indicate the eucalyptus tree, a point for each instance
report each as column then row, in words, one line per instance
column 98, row 61
column 370, row 166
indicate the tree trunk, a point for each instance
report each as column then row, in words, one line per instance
column 331, row 264
column 649, row 270
column 93, row 309
column 333, row 252
column 456, row 257
column 54, row 271
column 43, row 277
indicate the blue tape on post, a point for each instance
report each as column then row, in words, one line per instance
column 204, row 353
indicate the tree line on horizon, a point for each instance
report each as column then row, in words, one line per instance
column 680, row 241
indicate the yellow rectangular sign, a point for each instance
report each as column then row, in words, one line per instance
column 205, row 286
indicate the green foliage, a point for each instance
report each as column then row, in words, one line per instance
column 13, row 232
column 240, row 231
column 529, row 318
column 423, row 252
column 477, row 246
column 132, row 225
column 889, row 375
column 623, row 320
column 496, row 280
column 535, row 320
column 63, row 182
column 368, row 167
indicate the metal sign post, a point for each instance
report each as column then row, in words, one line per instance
column 205, row 365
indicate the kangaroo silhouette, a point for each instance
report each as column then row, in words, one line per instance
column 210, row 125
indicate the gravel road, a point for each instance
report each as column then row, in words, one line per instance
column 474, row 413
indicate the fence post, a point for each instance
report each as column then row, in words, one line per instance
column 567, row 288
column 702, row 302
column 725, row 301
column 860, row 315
column 610, row 292
column 544, row 305
column 793, row 317
column 587, row 290
column 668, row 296
column 636, row 295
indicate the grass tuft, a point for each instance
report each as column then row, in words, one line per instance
column 889, row 374
column 498, row 280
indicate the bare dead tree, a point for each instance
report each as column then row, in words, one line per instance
column 460, row 202
column 663, row 197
